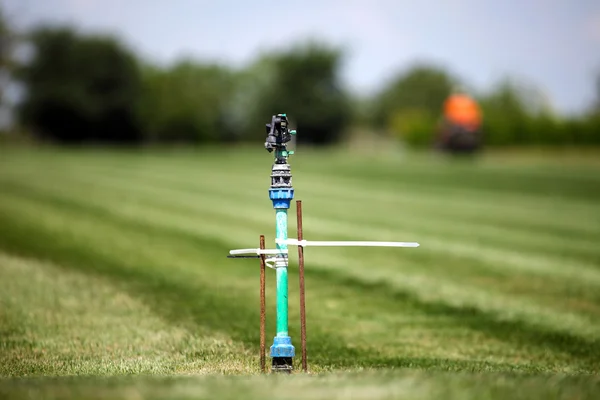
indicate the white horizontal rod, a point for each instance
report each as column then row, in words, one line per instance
column 257, row 251
column 315, row 243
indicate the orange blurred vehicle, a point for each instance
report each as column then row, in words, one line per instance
column 461, row 128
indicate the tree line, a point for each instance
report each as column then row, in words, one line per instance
column 85, row 88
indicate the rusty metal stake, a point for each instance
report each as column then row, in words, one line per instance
column 301, row 278
column 262, row 306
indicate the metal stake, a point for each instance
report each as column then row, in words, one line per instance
column 262, row 306
column 301, row 278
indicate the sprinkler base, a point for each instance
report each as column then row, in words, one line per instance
column 282, row 365
column 282, row 347
column 282, row 352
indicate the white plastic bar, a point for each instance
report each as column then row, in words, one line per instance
column 305, row 243
column 258, row 251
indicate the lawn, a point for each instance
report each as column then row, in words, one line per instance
column 115, row 281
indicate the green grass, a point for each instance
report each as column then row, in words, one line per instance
column 115, row 282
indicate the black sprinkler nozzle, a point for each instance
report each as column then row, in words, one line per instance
column 278, row 133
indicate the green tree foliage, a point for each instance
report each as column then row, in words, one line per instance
column 514, row 112
column 80, row 88
column 186, row 103
column 414, row 126
column 422, row 87
column 505, row 115
column 304, row 82
column 91, row 88
column 409, row 105
column 517, row 114
column 595, row 109
column 9, row 39
column 247, row 114
column 5, row 60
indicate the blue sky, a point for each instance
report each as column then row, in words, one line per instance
column 554, row 44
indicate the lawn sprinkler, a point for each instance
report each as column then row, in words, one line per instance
column 281, row 194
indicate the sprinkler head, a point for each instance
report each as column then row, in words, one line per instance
column 278, row 133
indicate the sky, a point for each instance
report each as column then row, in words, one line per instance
column 554, row 44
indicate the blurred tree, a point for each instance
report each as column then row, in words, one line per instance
column 5, row 50
column 596, row 105
column 504, row 113
column 8, row 41
column 187, row 102
column 517, row 113
column 80, row 88
column 422, row 87
column 304, row 83
column 247, row 115
column 414, row 126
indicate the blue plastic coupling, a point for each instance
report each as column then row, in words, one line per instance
column 282, row 347
column 281, row 198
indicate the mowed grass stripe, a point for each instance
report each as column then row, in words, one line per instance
column 546, row 171
column 565, row 265
column 458, row 294
column 580, row 218
column 567, row 247
column 325, row 345
column 232, row 175
column 220, row 304
column 167, row 212
column 554, row 177
column 566, row 297
column 489, row 254
column 470, row 178
column 172, row 280
column 363, row 385
column 58, row 321
column 414, row 212
column 182, row 216
column 570, row 223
